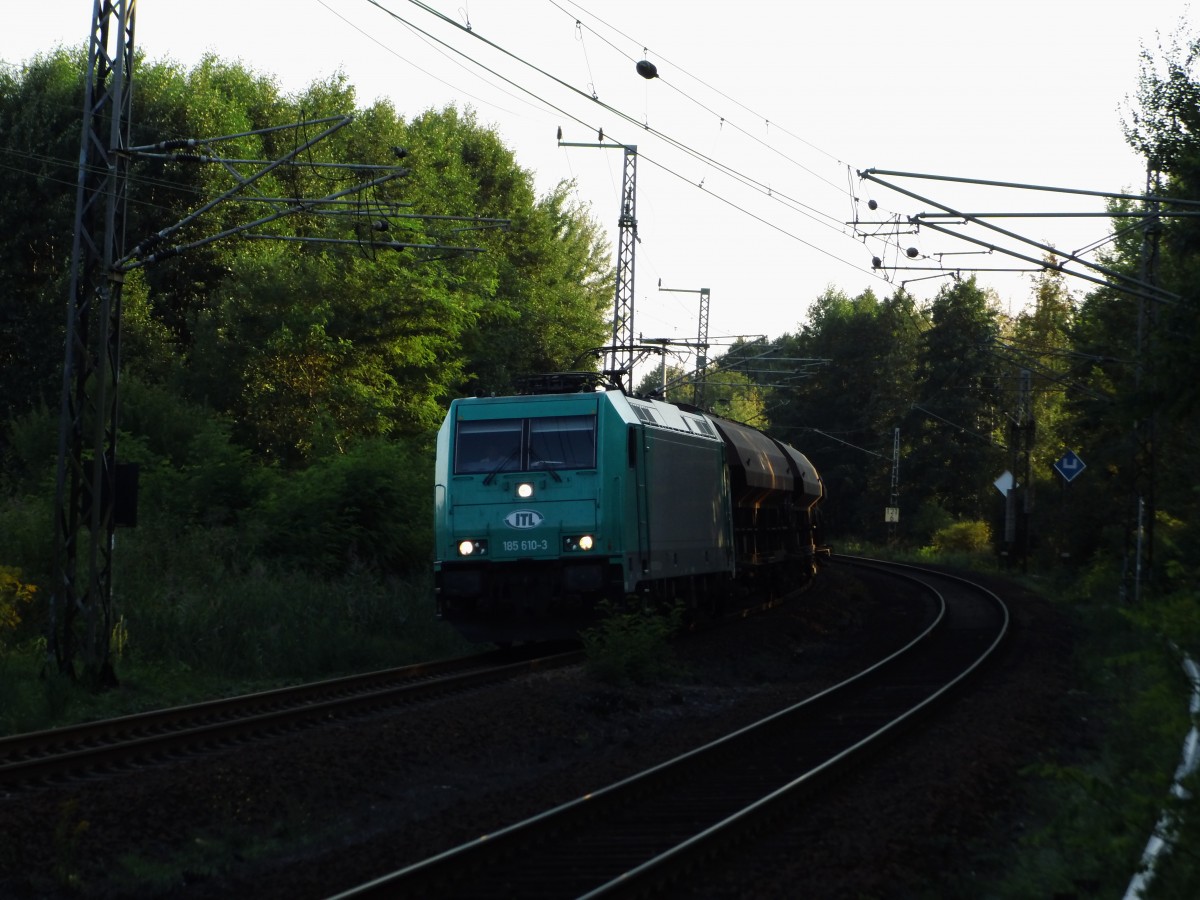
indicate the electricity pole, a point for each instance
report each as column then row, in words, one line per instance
column 86, row 488
column 701, row 340
column 621, row 352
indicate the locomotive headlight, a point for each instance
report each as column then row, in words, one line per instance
column 472, row 548
column 525, row 490
column 577, row 543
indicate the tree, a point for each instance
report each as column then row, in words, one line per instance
column 554, row 293
column 305, row 346
column 858, row 388
column 39, row 119
column 311, row 336
column 959, row 446
column 1156, row 392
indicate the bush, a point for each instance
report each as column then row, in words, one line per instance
column 16, row 597
column 632, row 646
column 370, row 506
column 963, row 537
column 927, row 521
column 192, row 469
column 27, row 535
column 29, row 450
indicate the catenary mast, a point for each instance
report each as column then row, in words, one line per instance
column 87, row 482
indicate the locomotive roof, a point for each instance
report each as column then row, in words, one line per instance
column 661, row 414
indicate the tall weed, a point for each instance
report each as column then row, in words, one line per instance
column 205, row 604
column 632, row 645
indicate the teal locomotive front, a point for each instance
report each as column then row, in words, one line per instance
column 547, row 505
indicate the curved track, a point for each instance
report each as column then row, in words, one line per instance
column 93, row 747
column 644, row 833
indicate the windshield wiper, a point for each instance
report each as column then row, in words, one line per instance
column 504, row 462
column 544, row 465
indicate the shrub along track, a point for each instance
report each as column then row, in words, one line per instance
column 308, row 816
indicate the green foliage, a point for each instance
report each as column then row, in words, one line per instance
column 632, row 645
column 305, row 347
column 1177, row 874
column 676, row 380
column 961, row 401
column 202, row 615
column 366, row 508
column 963, row 537
column 39, row 119
column 858, row 358
column 16, row 598
column 927, row 521
column 558, row 287
column 30, row 449
column 1092, row 813
column 30, row 701
column 274, row 621
column 26, row 523
column 736, row 396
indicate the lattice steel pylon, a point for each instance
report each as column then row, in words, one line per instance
column 701, row 348
column 701, row 340
column 86, row 488
column 620, row 366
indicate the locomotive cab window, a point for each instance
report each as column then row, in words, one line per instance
column 493, row 446
column 562, row 442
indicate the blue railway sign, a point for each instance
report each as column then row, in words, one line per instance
column 1070, row 465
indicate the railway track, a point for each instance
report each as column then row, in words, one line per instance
column 92, row 748
column 644, row 834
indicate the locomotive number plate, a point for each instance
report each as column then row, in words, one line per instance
column 525, row 546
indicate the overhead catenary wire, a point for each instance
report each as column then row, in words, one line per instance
column 772, row 193
column 734, row 197
column 757, row 115
column 830, row 221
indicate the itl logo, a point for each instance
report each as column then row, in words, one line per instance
column 523, row 518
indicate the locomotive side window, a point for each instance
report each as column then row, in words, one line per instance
column 562, row 442
column 492, row 446
column 489, row 446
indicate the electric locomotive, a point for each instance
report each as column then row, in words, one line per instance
column 548, row 504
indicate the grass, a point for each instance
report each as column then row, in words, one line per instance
column 1086, row 819
column 632, row 646
column 212, row 628
column 1090, row 816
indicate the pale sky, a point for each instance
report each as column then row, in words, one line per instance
column 763, row 114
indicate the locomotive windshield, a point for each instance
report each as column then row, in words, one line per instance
column 492, row 446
